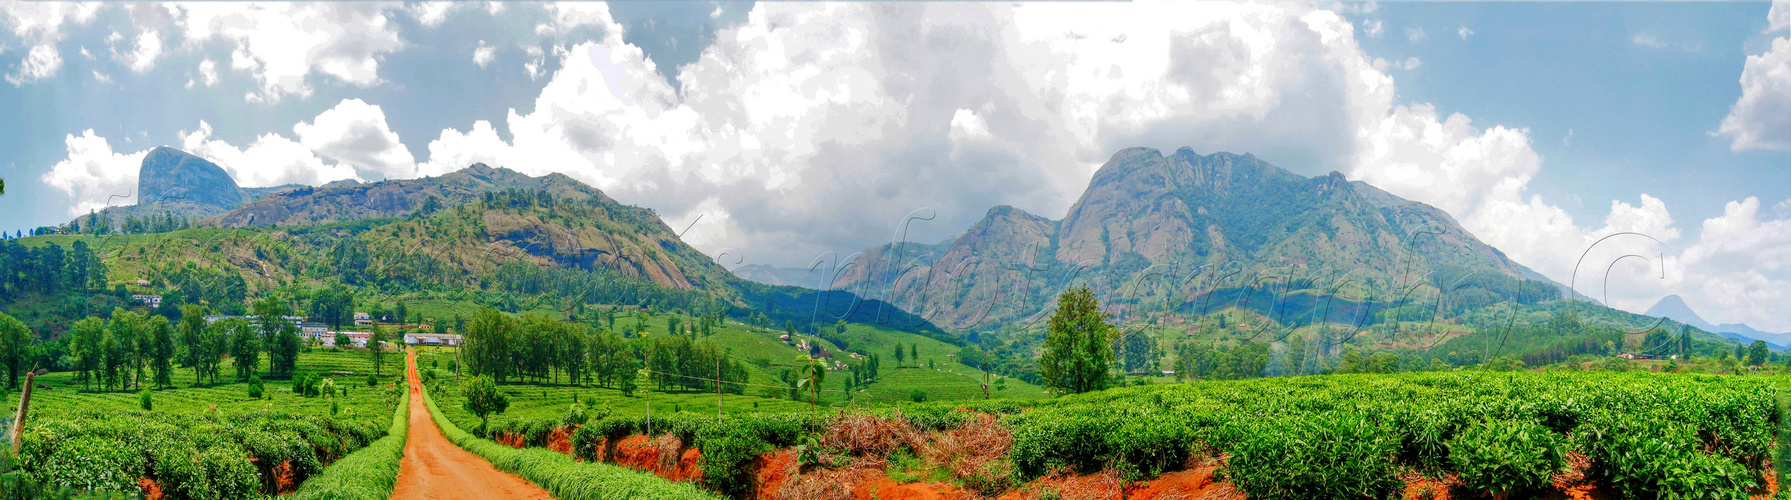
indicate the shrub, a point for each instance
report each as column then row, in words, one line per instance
column 1657, row 458
column 1504, row 456
column 145, row 400
column 255, row 388
column 1327, row 455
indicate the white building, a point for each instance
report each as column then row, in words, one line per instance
column 447, row 339
column 297, row 321
column 363, row 319
column 148, row 300
column 313, row 331
column 357, row 339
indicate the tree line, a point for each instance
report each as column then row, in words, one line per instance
column 541, row 349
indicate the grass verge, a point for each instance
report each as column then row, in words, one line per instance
column 563, row 477
column 367, row 474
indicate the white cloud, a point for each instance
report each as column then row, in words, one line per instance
column 1374, row 28
column 839, row 100
column 271, row 160
column 40, row 63
column 1415, row 35
column 93, row 175
column 282, row 44
column 966, row 125
column 431, row 14
column 1737, row 270
column 355, row 134
column 1464, row 32
column 1647, row 40
column 537, row 63
column 208, row 72
column 456, row 150
column 39, row 24
column 1779, row 17
column 1410, row 63
column 1761, row 118
column 149, row 47
column 484, row 54
column 1447, row 163
column 706, row 224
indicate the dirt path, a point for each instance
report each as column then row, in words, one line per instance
column 435, row 468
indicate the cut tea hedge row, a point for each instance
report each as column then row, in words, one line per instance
column 1350, row 436
column 203, row 455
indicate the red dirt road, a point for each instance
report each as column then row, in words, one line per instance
column 434, row 468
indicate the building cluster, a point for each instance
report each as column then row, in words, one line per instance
column 320, row 333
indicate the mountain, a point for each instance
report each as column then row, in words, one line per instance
column 345, row 201
column 171, row 182
column 1674, row 308
column 489, row 235
column 1163, row 229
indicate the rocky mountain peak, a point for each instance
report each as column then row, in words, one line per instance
column 170, row 174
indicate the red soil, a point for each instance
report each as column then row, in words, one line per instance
column 284, row 479
column 512, row 440
column 881, row 487
column 151, row 490
column 1195, row 483
column 435, row 468
column 660, row 456
column 560, row 439
column 773, row 469
column 1105, row 485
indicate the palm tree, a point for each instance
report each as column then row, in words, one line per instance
column 812, row 374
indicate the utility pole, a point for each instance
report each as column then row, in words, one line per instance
column 717, row 387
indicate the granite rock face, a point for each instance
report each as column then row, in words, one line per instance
column 170, row 175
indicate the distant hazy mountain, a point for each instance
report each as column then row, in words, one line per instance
column 1674, row 308
column 1147, row 222
column 780, row 276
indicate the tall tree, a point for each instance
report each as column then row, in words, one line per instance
column 84, row 341
column 282, row 358
column 128, row 334
column 1078, row 353
column 1757, row 353
column 192, row 337
column 208, row 352
column 161, row 349
column 15, row 347
column 245, row 347
column 378, row 351
column 488, row 343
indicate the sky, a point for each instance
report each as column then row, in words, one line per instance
column 778, row 131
